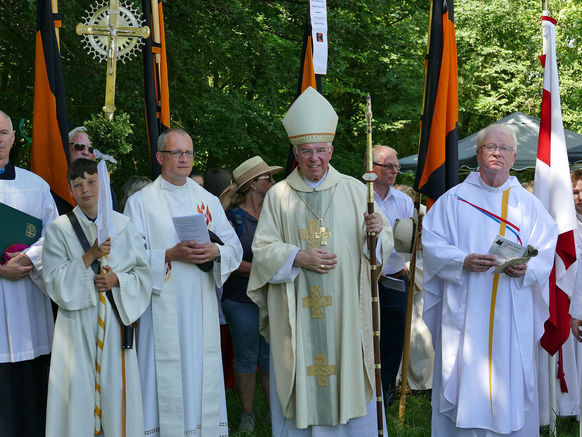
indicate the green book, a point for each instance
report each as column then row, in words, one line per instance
column 17, row 228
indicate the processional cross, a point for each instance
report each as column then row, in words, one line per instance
column 112, row 32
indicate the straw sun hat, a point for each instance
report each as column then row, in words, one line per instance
column 244, row 173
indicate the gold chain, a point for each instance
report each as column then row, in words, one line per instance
column 321, row 219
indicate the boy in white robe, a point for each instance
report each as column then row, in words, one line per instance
column 72, row 284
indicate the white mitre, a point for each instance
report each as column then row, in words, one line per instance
column 310, row 119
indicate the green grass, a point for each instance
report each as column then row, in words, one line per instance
column 416, row 419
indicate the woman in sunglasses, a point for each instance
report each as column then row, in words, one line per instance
column 253, row 178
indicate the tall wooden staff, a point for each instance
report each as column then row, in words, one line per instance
column 407, row 326
column 369, row 177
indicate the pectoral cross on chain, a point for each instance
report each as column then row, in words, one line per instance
column 323, row 234
column 315, row 231
column 109, row 28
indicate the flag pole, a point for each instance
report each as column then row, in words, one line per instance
column 412, row 274
column 553, row 410
column 408, row 323
column 55, row 8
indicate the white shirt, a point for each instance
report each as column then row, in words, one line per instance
column 396, row 205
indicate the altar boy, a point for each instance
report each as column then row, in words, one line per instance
column 94, row 382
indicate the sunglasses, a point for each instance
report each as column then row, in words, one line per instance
column 265, row 177
column 81, row 147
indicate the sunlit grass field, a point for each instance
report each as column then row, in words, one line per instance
column 416, row 421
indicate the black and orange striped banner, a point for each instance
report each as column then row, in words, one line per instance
column 50, row 143
column 157, row 95
column 307, row 77
column 438, row 161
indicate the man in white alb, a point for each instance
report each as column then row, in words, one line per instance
column 179, row 335
column 486, row 326
column 26, row 318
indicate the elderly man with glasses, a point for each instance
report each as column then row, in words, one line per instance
column 178, row 343
column 310, row 278
column 394, row 280
column 486, row 325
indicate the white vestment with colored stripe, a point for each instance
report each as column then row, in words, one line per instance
column 485, row 368
column 178, row 341
column 71, row 397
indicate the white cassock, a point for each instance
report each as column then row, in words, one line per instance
column 71, row 397
column 485, row 331
column 25, row 311
column 179, row 353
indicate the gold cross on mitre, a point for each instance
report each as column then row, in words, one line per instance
column 112, row 32
column 313, row 233
column 316, row 302
column 321, row 370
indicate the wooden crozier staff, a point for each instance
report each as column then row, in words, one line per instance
column 369, row 177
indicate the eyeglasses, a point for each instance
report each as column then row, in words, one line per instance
column 307, row 153
column 491, row 148
column 81, row 147
column 390, row 167
column 178, row 153
column 266, row 177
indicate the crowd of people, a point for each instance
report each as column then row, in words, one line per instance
column 140, row 338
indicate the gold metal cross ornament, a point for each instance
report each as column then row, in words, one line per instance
column 314, row 232
column 112, row 32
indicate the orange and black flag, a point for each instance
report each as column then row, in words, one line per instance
column 438, row 162
column 50, row 143
column 157, row 97
column 307, row 77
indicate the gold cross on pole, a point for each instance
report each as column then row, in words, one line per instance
column 316, row 302
column 111, row 30
column 321, row 370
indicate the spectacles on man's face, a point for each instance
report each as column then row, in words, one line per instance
column 178, row 153
column 81, row 147
column 308, row 153
column 268, row 177
column 491, row 148
column 390, row 167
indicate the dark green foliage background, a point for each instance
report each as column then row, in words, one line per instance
column 233, row 67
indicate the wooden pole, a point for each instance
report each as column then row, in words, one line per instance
column 406, row 350
column 55, row 8
column 408, row 323
column 369, row 177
